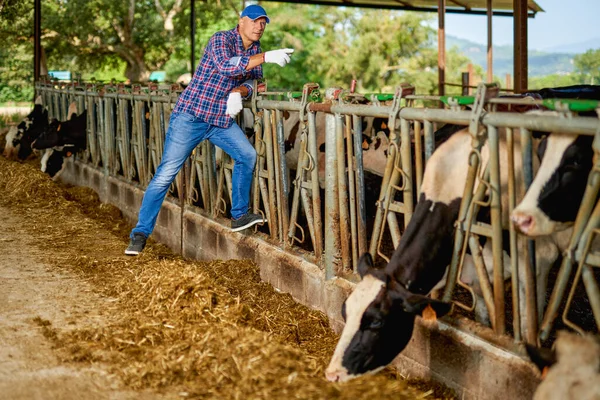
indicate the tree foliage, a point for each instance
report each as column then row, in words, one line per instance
column 588, row 66
column 128, row 39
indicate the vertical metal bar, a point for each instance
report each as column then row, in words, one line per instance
column 37, row 41
column 342, row 191
column 315, row 189
column 407, row 165
column 514, row 260
column 352, row 192
column 429, row 140
column 490, row 47
column 418, row 156
column 361, row 217
column 465, row 83
column 283, row 177
column 268, row 137
column 332, row 211
column 193, row 36
column 529, row 313
column 520, row 45
column 441, row 46
column 496, row 216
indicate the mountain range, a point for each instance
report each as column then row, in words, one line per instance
column 553, row 60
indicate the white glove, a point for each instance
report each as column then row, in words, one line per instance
column 281, row 56
column 234, row 104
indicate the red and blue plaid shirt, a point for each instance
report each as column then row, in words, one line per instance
column 223, row 67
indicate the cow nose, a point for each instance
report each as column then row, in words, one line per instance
column 523, row 222
column 333, row 376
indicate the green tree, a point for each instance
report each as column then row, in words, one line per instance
column 588, row 65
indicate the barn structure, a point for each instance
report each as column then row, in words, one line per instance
column 322, row 214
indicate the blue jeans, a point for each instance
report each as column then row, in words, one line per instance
column 184, row 134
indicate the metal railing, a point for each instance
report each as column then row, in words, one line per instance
column 127, row 126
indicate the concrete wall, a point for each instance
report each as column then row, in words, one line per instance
column 457, row 357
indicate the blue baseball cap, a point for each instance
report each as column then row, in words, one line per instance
column 254, row 11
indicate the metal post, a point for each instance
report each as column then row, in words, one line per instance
column 37, row 37
column 465, row 83
column 193, row 36
column 441, row 46
column 490, row 49
column 520, row 45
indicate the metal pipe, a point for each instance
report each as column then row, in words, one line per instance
column 315, row 189
column 342, row 193
column 496, row 216
column 351, row 192
column 360, row 185
column 332, row 212
column 514, row 260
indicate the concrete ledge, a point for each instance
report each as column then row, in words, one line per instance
column 457, row 358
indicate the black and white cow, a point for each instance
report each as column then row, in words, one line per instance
column 573, row 368
column 380, row 312
column 553, row 199
column 19, row 139
column 61, row 140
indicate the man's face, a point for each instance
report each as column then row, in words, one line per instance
column 252, row 30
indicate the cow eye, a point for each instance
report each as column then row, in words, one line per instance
column 376, row 324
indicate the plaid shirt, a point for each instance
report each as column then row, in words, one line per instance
column 223, row 67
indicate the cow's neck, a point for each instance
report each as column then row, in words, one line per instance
column 425, row 248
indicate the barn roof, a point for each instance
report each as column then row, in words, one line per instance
column 500, row 7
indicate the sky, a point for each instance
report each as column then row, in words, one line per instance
column 562, row 23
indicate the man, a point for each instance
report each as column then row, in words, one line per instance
column 205, row 110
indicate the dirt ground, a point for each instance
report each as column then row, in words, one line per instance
column 33, row 296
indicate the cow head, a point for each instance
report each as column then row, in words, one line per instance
column 380, row 315
column 554, row 197
column 71, row 132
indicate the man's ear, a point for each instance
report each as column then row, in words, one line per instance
column 541, row 357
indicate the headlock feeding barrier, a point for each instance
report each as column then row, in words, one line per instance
column 330, row 211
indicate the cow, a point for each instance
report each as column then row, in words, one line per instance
column 380, row 312
column 553, row 199
column 19, row 139
column 72, row 132
column 61, row 140
column 572, row 369
column 53, row 161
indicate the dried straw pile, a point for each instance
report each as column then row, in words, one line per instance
column 182, row 327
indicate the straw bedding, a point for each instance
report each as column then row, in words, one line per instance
column 181, row 327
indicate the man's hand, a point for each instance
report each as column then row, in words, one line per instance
column 281, row 56
column 234, row 104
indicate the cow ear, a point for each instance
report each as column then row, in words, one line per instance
column 365, row 264
column 38, row 100
column 416, row 303
column 541, row 357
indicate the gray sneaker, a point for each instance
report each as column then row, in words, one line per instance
column 136, row 244
column 246, row 221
